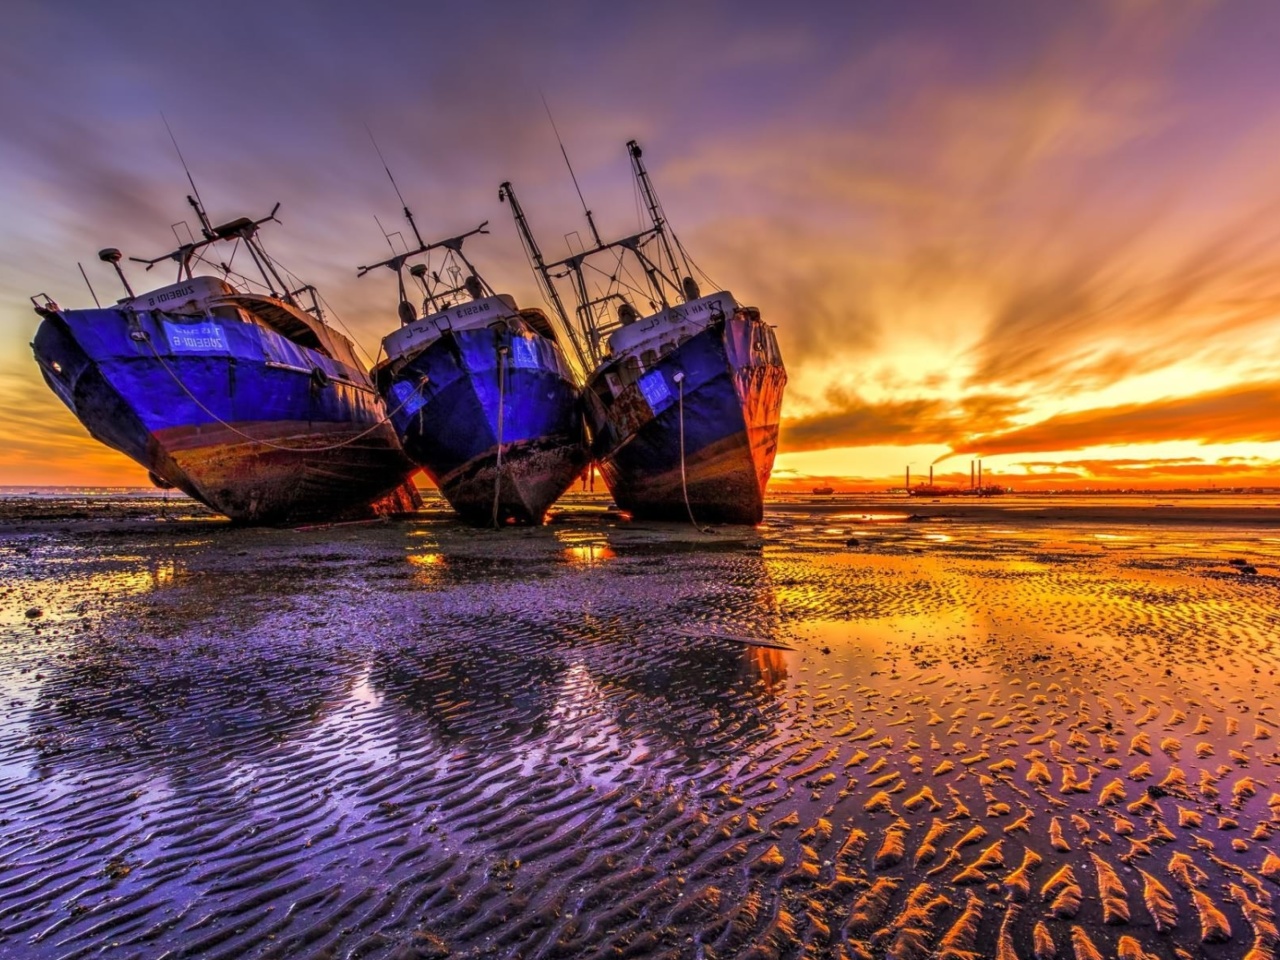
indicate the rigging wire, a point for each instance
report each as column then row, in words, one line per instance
column 347, row 330
column 684, row 254
column 497, row 470
column 684, row 483
column 615, row 281
column 267, row 443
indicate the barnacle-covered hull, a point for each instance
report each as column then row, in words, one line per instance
column 471, row 393
column 246, row 421
column 711, row 434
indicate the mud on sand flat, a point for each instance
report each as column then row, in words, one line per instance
column 990, row 738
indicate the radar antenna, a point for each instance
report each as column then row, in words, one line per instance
column 112, row 256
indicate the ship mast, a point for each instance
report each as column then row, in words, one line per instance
column 241, row 228
column 592, row 325
column 655, row 210
column 419, row 271
column 508, row 195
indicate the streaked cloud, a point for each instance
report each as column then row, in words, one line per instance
column 1011, row 229
column 1249, row 412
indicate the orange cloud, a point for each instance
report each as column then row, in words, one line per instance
column 1231, row 414
column 850, row 420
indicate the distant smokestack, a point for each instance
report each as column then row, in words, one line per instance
column 908, row 478
column 931, row 474
column 979, row 473
column 970, row 474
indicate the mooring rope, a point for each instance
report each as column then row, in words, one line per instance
column 497, row 473
column 684, row 483
column 267, row 443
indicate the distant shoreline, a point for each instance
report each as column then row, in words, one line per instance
column 32, row 508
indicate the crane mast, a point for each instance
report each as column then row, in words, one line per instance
column 507, row 193
column 655, row 208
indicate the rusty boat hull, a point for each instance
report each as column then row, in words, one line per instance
column 694, row 431
column 253, row 425
column 471, row 393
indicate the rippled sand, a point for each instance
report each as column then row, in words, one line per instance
column 991, row 736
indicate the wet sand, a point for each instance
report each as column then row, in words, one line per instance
column 993, row 730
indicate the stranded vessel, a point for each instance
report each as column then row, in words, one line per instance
column 480, row 393
column 248, row 402
column 683, row 403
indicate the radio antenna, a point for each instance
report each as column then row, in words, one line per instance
column 198, row 202
column 564, row 153
column 407, row 214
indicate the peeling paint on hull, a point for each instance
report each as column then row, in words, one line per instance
column 445, row 403
column 732, row 398
column 135, row 403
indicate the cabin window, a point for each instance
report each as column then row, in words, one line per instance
column 666, row 348
column 630, row 369
column 649, row 357
column 225, row 313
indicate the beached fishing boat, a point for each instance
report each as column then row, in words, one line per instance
column 480, row 392
column 246, row 401
column 683, row 404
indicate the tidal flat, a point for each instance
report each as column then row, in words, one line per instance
column 870, row 728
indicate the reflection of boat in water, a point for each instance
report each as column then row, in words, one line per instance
column 248, row 402
column 480, row 393
column 122, row 704
column 661, row 671
column 683, row 403
column 470, row 690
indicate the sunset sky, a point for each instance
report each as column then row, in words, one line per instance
column 1046, row 234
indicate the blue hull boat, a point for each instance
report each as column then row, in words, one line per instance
column 692, row 429
column 683, row 405
column 236, row 415
column 483, row 400
column 479, row 390
column 245, row 401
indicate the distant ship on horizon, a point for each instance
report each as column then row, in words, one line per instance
column 683, row 403
column 247, row 402
column 976, row 487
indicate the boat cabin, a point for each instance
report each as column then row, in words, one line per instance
column 202, row 297
column 658, row 334
column 497, row 310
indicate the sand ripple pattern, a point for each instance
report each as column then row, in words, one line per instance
column 989, row 739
